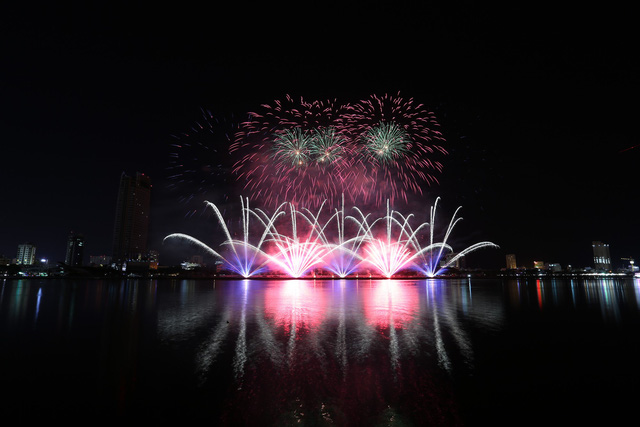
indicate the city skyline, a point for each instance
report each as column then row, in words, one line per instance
column 133, row 202
column 539, row 125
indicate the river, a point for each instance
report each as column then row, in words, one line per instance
column 334, row 352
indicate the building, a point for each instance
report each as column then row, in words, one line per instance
column 554, row 267
column 511, row 262
column 131, row 225
column 26, row 254
column 75, row 250
column 601, row 256
column 154, row 259
column 539, row 265
column 100, row 260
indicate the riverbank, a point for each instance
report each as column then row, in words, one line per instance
column 176, row 273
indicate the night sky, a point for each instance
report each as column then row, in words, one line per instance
column 539, row 108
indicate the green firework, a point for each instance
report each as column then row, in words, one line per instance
column 327, row 146
column 386, row 142
column 292, row 148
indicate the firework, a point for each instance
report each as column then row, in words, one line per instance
column 292, row 148
column 385, row 143
column 296, row 243
column 293, row 151
column 309, row 152
column 296, row 255
column 401, row 143
column 342, row 257
column 328, row 147
column 387, row 257
column 381, row 148
column 199, row 160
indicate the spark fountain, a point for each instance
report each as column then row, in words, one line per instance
column 434, row 264
column 295, row 256
column 243, row 258
column 342, row 257
column 293, row 248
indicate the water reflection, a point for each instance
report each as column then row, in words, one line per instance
column 609, row 297
column 345, row 351
column 319, row 349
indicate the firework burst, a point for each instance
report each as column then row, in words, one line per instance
column 400, row 141
column 386, row 143
column 293, row 151
column 292, row 148
column 381, row 148
column 328, row 147
column 199, row 161
column 305, row 153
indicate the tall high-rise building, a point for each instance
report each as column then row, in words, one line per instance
column 75, row 249
column 26, row 254
column 511, row 262
column 601, row 256
column 131, row 228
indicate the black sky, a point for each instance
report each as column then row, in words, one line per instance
column 537, row 105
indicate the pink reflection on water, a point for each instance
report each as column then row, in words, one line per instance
column 390, row 303
column 295, row 305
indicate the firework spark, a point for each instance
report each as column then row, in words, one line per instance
column 381, row 148
column 199, row 160
column 403, row 141
column 293, row 152
column 296, row 243
column 386, row 143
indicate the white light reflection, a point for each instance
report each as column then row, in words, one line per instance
column 286, row 322
column 443, row 358
column 341, row 337
column 363, row 337
column 240, row 357
column 607, row 294
column 456, row 307
column 268, row 342
column 574, row 291
column 38, row 304
column 393, row 337
column 209, row 349
column 178, row 322
column 293, row 291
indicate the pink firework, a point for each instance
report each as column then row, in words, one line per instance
column 294, row 151
column 398, row 143
column 306, row 153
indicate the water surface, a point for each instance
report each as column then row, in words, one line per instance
column 343, row 352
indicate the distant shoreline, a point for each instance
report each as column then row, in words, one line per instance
column 457, row 276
